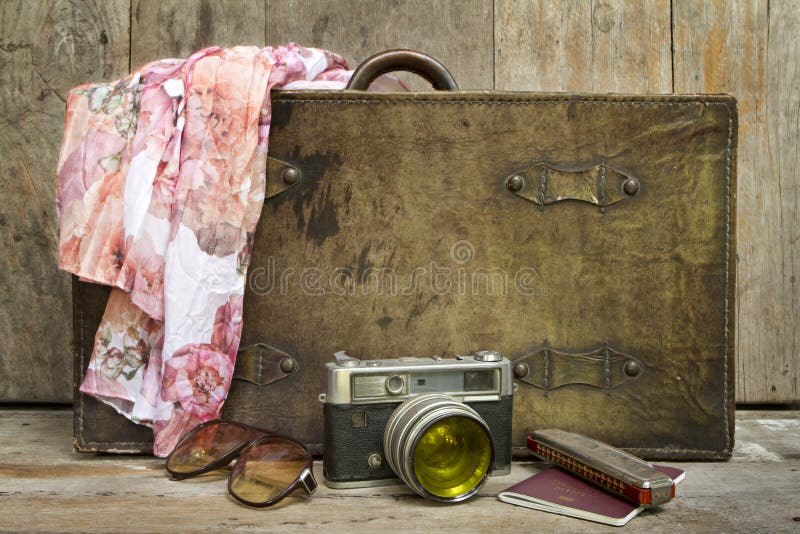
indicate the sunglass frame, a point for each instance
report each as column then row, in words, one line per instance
column 256, row 436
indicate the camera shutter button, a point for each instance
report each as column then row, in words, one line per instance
column 488, row 356
column 395, row 384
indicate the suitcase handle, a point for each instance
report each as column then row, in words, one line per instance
column 404, row 60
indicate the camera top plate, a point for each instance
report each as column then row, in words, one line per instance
column 483, row 376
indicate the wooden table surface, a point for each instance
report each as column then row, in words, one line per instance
column 44, row 486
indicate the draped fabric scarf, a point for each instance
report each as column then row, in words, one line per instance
column 161, row 180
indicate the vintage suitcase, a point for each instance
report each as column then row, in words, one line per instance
column 589, row 238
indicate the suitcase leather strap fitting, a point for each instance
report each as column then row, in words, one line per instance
column 281, row 176
column 601, row 184
column 263, row 364
column 604, row 368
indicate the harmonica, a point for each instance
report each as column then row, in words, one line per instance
column 608, row 467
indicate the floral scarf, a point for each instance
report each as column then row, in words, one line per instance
column 161, row 180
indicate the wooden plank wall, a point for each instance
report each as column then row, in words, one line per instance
column 749, row 48
column 45, row 49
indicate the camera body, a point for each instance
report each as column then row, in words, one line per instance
column 361, row 396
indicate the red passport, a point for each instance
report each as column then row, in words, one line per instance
column 557, row 491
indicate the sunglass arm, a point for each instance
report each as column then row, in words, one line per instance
column 308, row 480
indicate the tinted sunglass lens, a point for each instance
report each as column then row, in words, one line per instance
column 205, row 446
column 266, row 469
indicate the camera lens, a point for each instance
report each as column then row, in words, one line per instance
column 440, row 447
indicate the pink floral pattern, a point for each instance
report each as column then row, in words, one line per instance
column 198, row 376
column 228, row 326
column 161, row 180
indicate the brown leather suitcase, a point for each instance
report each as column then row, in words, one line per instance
column 589, row 238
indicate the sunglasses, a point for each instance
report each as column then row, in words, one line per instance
column 269, row 466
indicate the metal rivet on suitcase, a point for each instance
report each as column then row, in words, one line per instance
column 520, row 370
column 631, row 187
column 515, row 183
column 288, row 365
column 632, row 368
column 290, row 176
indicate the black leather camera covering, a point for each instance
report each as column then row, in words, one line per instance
column 347, row 448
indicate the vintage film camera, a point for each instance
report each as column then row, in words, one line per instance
column 441, row 425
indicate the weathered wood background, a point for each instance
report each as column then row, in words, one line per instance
column 748, row 48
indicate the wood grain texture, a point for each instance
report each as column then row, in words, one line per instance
column 583, row 46
column 177, row 28
column 750, row 49
column 45, row 49
column 46, row 487
column 456, row 32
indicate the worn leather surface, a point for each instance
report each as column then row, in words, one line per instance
column 416, row 185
